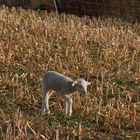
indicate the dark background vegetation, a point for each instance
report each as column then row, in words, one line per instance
column 125, row 9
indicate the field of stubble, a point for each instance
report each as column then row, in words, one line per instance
column 106, row 52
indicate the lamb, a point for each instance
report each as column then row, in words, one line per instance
column 63, row 86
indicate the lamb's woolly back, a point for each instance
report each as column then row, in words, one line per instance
column 56, row 81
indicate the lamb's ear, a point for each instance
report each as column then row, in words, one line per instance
column 88, row 83
column 74, row 83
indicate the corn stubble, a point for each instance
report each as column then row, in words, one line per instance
column 106, row 52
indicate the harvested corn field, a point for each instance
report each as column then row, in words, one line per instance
column 103, row 51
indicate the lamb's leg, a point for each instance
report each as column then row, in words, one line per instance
column 43, row 108
column 45, row 101
column 65, row 107
column 44, row 91
column 68, row 105
column 45, row 98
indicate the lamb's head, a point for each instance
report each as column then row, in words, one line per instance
column 81, row 86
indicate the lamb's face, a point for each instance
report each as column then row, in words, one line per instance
column 81, row 86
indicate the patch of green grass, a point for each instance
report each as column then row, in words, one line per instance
column 126, row 83
column 17, row 69
column 8, row 107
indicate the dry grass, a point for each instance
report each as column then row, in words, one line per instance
column 106, row 52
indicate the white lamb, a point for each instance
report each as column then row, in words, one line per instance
column 63, row 86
